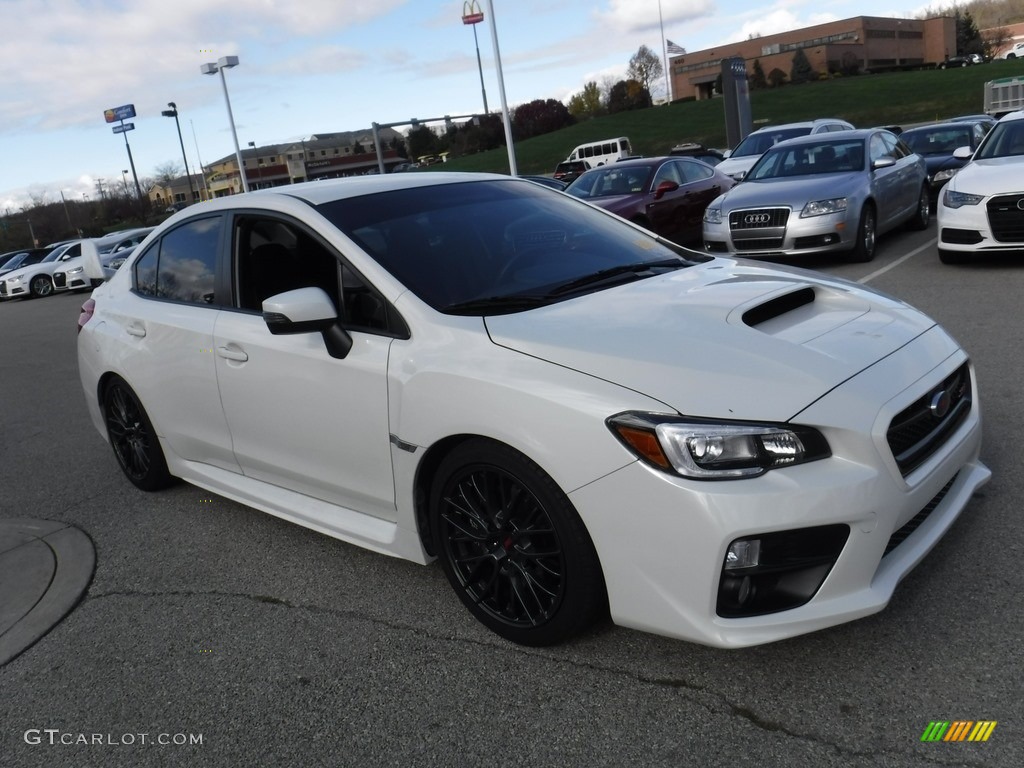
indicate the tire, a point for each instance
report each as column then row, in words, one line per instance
column 951, row 257
column 131, row 434
column 942, row 66
column 923, row 215
column 40, row 285
column 867, row 236
column 513, row 547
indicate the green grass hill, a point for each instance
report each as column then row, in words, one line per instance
column 894, row 98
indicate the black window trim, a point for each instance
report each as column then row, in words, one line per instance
column 400, row 329
column 219, row 288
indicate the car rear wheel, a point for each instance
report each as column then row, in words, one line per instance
column 951, row 257
column 40, row 286
column 864, row 248
column 513, row 547
column 133, row 438
column 923, row 214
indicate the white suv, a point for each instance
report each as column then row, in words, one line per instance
column 742, row 159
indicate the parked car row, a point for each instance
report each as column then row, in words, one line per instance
column 39, row 272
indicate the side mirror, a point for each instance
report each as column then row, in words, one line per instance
column 883, row 162
column 91, row 261
column 307, row 310
column 963, row 153
column 664, row 187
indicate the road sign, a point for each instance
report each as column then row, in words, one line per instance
column 123, row 127
column 119, row 113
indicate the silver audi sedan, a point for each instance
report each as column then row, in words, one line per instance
column 821, row 193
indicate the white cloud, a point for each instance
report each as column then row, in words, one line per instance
column 642, row 15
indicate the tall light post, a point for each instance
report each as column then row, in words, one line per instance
column 124, row 178
column 211, row 68
column 512, row 170
column 472, row 15
column 256, row 157
column 173, row 112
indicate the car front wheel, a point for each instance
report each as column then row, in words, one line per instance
column 513, row 547
column 864, row 248
column 40, row 286
column 133, row 438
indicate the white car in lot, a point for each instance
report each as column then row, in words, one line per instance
column 113, row 250
column 36, row 280
column 747, row 152
column 574, row 416
column 981, row 209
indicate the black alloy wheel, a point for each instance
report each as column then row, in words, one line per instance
column 513, row 547
column 41, row 285
column 133, row 439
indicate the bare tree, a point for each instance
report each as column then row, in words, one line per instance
column 167, row 172
column 644, row 67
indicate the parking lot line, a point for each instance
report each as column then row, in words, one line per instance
column 869, row 277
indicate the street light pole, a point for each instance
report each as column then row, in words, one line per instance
column 173, row 112
column 212, row 68
column 124, row 178
column 472, row 15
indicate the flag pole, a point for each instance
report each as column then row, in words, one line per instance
column 664, row 54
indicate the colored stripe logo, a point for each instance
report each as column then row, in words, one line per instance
column 959, row 730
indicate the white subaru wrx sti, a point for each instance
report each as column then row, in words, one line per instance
column 575, row 417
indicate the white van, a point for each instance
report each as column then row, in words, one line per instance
column 600, row 152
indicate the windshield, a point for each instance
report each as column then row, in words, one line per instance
column 54, row 254
column 830, row 156
column 14, row 261
column 611, row 180
column 937, row 141
column 489, row 247
column 761, row 141
column 1006, row 139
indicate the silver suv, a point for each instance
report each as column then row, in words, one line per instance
column 742, row 159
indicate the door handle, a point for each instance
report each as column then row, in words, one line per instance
column 137, row 331
column 232, row 353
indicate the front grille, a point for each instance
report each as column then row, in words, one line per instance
column 919, row 430
column 1006, row 218
column 759, row 218
column 59, row 280
column 758, row 244
column 915, row 522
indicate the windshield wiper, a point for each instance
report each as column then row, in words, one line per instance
column 502, row 304
column 612, row 272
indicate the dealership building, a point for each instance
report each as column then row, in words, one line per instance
column 863, row 44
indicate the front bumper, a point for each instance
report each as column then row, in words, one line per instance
column 995, row 225
column 662, row 540
column 795, row 236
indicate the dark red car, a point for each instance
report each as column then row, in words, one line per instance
column 667, row 195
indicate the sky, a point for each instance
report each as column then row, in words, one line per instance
column 312, row 66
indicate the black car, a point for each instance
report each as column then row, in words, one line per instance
column 962, row 60
column 698, row 151
column 570, row 170
column 936, row 144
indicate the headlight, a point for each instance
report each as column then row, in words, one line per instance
column 945, row 175
column 75, row 271
column 712, row 450
column 116, row 263
column 952, row 199
column 738, row 176
column 712, row 215
column 14, row 279
column 823, row 207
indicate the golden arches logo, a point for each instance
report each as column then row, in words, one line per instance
column 471, row 12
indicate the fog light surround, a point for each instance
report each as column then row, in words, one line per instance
column 777, row 571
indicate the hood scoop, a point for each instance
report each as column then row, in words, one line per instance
column 778, row 306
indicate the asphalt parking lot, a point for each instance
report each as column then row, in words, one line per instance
column 212, row 634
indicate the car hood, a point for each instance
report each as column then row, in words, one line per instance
column 993, row 176
column 936, row 163
column 794, row 191
column 724, row 339
column 33, row 269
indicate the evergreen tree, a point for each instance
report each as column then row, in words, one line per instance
column 757, row 78
column 801, row 71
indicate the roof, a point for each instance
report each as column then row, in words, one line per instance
column 328, row 190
